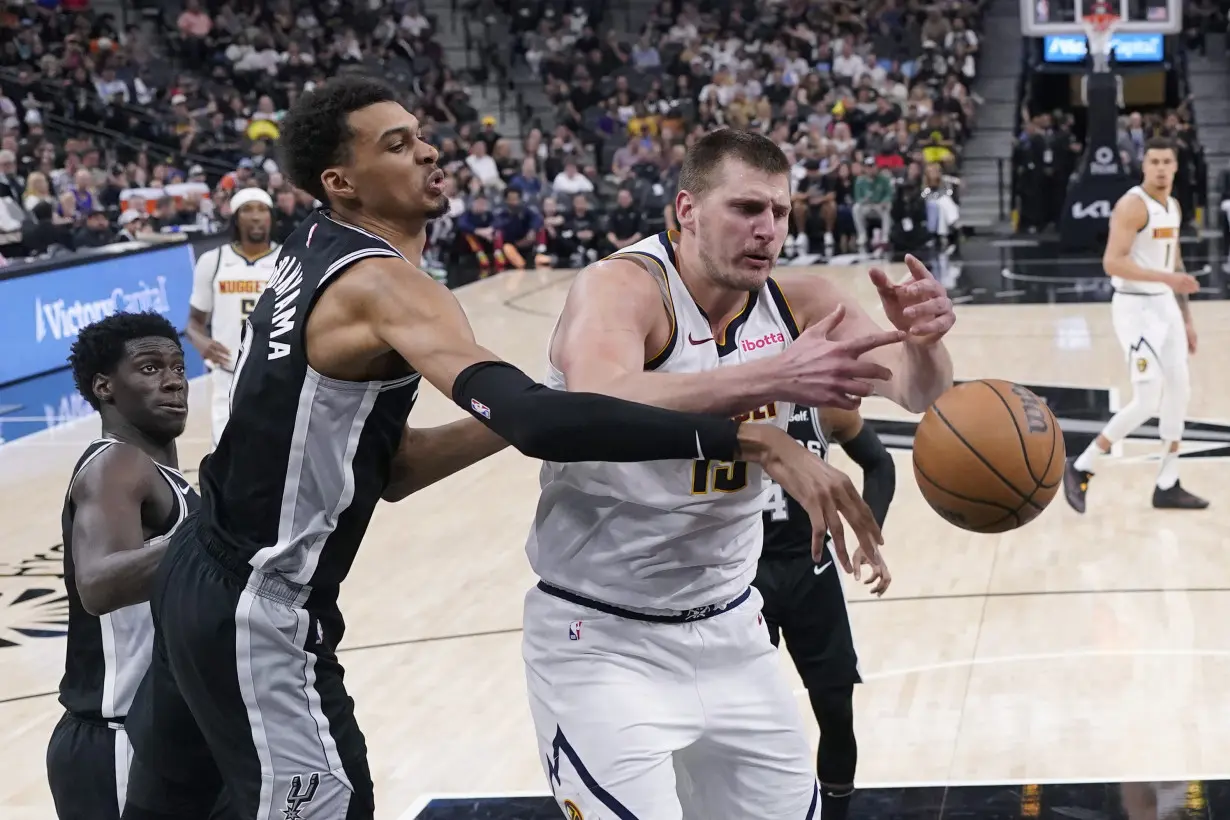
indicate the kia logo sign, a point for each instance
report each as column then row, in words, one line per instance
column 1094, row 210
column 1128, row 47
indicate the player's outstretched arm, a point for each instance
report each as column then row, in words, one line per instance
column 867, row 451
column 113, row 568
column 421, row 320
column 427, row 456
column 879, row 485
column 1129, row 217
column 918, row 307
column 614, row 319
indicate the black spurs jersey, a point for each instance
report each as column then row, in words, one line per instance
column 304, row 458
column 787, row 527
column 107, row 655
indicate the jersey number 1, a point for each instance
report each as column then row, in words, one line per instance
column 718, row 476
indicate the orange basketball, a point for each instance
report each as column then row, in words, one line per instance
column 989, row 456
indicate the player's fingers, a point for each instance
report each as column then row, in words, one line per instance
column 865, row 370
column 917, row 269
column 856, row 511
column 936, row 306
column 880, row 279
column 853, row 387
column 940, row 324
column 837, row 531
column 863, row 344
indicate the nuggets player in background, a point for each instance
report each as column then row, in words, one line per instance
column 125, row 498
column 671, row 701
column 226, row 283
column 1153, row 321
column 804, row 601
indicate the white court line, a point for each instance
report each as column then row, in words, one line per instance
column 1043, row 656
column 416, row 807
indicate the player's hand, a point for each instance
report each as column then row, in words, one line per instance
column 216, row 352
column 879, row 575
column 1191, row 337
column 919, row 305
column 1182, row 283
column 817, row 371
column 826, row 493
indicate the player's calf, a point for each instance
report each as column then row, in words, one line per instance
column 837, row 755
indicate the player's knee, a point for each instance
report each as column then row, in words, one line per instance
column 1147, row 395
column 837, row 756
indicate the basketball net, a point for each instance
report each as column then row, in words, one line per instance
column 1099, row 26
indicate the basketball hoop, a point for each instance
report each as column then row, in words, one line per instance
column 1099, row 26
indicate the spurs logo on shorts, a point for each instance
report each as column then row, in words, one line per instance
column 298, row 796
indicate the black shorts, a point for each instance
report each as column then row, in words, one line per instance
column 243, row 691
column 805, row 604
column 87, row 768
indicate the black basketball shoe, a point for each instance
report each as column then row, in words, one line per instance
column 1177, row 498
column 1076, row 484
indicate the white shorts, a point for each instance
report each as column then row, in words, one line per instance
column 661, row 721
column 219, row 401
column 1151, row 332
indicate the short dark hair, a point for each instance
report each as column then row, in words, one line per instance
column 100, row 346
column 315, row 134
column 707, row 155
column 1161, row 144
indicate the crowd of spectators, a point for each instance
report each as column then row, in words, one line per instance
column 869, row 100
column 110, row 133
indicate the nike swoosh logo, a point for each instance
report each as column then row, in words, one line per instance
column 822, row 567
column 183, row 490
column 699, row 341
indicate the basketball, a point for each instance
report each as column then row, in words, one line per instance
column 989, row 456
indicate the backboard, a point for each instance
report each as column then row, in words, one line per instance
column 1042, row 17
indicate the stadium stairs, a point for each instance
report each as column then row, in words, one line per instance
column 987, row 161
column 1208, row 77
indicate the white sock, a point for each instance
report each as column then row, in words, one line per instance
column 1086, row 460
column 1168, row 475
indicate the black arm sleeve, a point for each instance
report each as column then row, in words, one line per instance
column 555, row 425
column 879, row 471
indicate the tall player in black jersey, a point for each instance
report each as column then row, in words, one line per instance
column 804, row 601
column 125, row 498
column 244, row 688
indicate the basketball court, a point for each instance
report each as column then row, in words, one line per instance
column 1075, row 650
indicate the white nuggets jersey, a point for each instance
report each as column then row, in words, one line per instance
column 1156, row 245
column 226, row 286
column 665, row 535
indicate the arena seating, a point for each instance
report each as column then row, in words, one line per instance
column 871, row 103
column 110, row 135
column 113, row 135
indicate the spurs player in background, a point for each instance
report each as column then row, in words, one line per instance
column 226, row 283
column 1153, row 321
column 125, row 499
column 804, row 601
column 653, row 686
column 245, row 691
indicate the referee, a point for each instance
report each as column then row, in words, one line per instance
column 804, row 601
